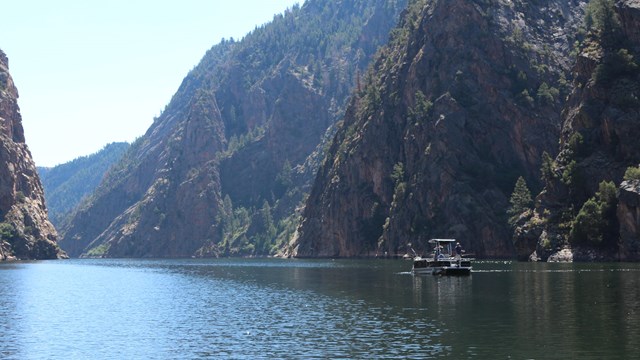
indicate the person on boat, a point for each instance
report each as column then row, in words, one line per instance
column 459, row 250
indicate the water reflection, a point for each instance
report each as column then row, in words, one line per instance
column 447, row 292
column 572, row 310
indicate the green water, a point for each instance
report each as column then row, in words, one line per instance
column 291, row 309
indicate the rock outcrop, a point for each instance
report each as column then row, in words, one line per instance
column 465, row 99
column 25, row 230
column 628, row 213
column 599, row 142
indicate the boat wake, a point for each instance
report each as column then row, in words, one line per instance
column 552, row 270
column 404, row 273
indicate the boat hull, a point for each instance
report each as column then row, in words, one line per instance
column 451, row 266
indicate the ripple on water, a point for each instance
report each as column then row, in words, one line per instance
column 155, row 309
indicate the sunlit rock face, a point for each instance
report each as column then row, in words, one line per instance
column 25, row 230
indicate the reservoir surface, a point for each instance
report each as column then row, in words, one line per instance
column 292, row 309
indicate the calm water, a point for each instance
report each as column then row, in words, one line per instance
column 258, row 308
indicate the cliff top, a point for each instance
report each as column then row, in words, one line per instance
column 4, row 61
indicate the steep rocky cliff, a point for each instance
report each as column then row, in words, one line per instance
column 25, row 230
column 223, row 168
column 169, row 174
column 574, row 218
column 464, row 100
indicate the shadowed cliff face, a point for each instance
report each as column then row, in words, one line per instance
column 599, row 142
column 249, row 111
column 628, row 212
column 450, row 116
column 25, row 230
column 298, row 118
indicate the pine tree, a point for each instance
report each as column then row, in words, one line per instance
column 601, row 17
column 632, row 173
column 520, row 200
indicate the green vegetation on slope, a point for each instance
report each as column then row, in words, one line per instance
column 65, row 185
column 599, row 145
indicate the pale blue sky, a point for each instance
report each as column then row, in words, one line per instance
column 93, row 72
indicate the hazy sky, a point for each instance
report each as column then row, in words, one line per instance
column 93, row 72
